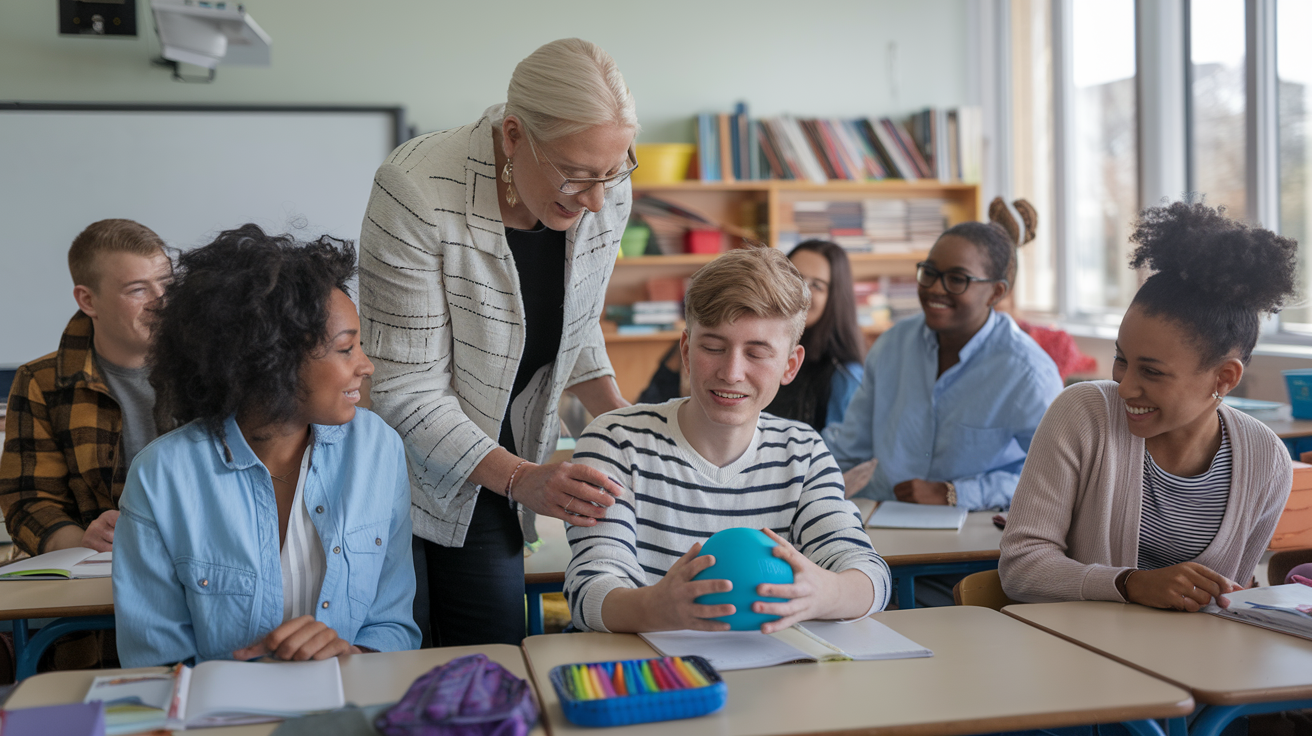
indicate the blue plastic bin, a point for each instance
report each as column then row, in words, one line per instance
column 647, row 707
column 1299, row 382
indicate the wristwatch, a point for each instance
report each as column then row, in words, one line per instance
column 952, row 492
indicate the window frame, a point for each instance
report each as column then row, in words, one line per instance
column 1165, row 132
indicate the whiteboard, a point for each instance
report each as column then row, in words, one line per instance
column 186, row 172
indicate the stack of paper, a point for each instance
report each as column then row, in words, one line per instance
column 1284, row 608
column 899, row 515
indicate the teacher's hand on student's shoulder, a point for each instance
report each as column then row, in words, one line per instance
column 922, row 491
column 815, row 593
column 576, row 493
column 674, row 597
column 100, row 534
column 859, row 477
column 1187, row 586
column 303, row 638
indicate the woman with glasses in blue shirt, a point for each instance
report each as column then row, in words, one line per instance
column 951, row 397
column 484, row 258
column 276, row 519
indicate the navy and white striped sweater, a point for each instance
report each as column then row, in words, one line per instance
column 786, row 481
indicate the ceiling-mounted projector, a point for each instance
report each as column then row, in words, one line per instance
column 207, row 33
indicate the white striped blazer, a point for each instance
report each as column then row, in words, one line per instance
column 443, row 320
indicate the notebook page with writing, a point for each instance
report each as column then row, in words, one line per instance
column 899, row 515
column 866, row 639
column 223, row 692
column 725, row 650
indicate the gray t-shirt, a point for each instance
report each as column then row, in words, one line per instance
column 130, row 387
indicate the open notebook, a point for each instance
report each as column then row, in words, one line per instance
column 899, row 515
column 77, row 562
column 1283, row 608
column 217, row 693
column 813, row 641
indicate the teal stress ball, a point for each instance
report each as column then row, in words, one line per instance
column 744, row 557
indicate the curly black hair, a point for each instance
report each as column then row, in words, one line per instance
column 241, row 316
column 1212, row 275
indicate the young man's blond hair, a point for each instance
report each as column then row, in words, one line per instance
column 109, row 236
column 761, row 282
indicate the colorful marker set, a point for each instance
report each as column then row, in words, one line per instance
column 638, row 690
column 617, row 679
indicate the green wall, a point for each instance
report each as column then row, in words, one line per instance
column 446, row 61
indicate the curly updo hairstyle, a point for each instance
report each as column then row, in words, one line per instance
column 240, row 318
column 1001, row 235
column 1212, row 275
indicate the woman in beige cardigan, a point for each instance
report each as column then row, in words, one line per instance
column 1147, row 488
column 484, row 258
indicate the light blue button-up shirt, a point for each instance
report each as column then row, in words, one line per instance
column 971, row 426
column 197, row 573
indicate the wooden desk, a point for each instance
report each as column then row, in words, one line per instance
column 367, row 679
column 1232, row 668
column 988, row 674
column 911, row 553
column 1282, row 422
column 76, row 605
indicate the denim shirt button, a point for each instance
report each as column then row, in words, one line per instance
column 337, row 550
column 204, row 582
column 378, row 541
column 325, row 604
column 318, row 509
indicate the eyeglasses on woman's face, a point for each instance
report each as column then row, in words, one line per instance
column 576, row 185
column 954, row 282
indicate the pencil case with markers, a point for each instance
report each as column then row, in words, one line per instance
column 638, row 690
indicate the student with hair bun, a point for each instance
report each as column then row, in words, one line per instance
column 951, row 398
column 1147, row 488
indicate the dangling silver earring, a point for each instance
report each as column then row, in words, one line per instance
column 1216, row 396
column 508, row 176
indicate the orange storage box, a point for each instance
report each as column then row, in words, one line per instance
column 1294, row 531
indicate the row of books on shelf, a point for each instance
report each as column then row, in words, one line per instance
column 866, row 226
column 879, row 302
column 936, row 143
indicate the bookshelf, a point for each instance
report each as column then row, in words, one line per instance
column 762, row 205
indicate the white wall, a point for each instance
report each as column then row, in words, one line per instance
column 447, row 61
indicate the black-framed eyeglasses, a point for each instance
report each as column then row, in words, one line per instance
column 954, row 282
column 580, row 185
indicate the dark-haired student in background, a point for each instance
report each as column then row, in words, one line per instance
column 951, row 397
column 276, row 519
column 831, row 370
column 1147, row 488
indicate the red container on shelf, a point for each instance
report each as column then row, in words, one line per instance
column 702, row 241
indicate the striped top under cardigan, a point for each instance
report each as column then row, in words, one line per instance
column 786, row 481
column 1075, row 520
column 1181, row 515
column 443, row 320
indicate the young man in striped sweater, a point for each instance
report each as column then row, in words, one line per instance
column 713, row 461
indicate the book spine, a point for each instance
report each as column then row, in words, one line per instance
column 726, row 148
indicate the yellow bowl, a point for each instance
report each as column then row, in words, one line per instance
column 663, row 163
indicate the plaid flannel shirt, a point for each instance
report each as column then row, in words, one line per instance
column 61, row 456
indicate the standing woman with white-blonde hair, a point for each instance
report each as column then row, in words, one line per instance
column 484, row 259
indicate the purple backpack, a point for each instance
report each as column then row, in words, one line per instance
column 469, row 696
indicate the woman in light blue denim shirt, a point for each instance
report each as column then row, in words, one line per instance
column 951, row 398
column 276, row 519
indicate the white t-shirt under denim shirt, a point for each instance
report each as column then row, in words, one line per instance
column 302, row 558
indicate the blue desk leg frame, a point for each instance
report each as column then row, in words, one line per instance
column 1213, row 719
column 28, row 651
column 1168, row 727
column 904, row 576
column 535, row 591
